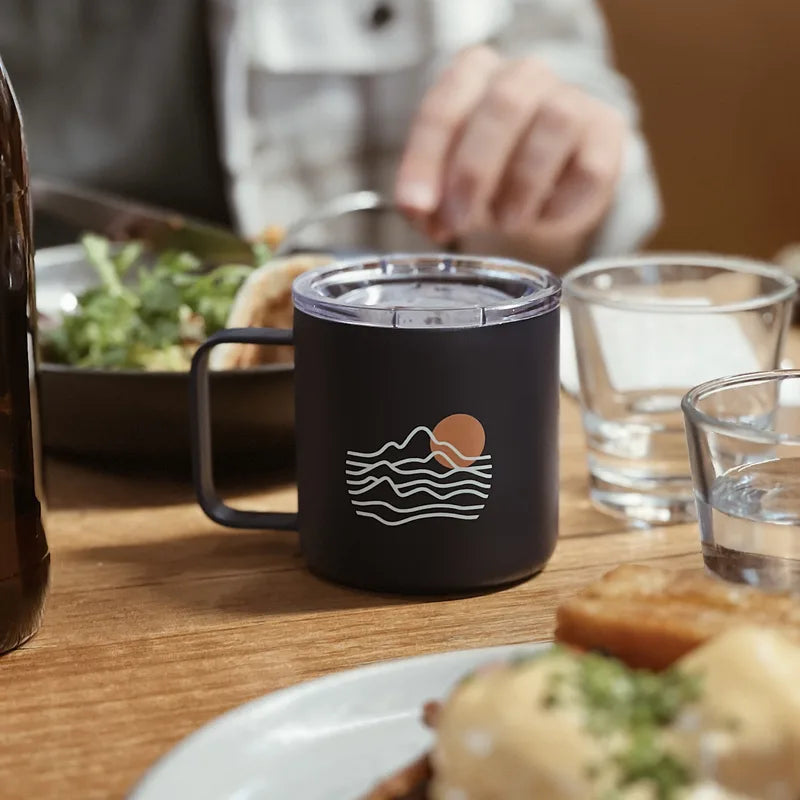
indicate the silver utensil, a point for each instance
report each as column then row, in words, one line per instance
column 340, row 206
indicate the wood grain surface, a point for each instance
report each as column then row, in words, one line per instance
column 159, row 620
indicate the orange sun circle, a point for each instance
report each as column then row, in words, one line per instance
column 464, row 433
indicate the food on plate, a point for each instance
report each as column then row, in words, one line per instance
column 722, row 723
column 272, row 236
column 571, row 725
column 149, row 315
column 649, row 617
column 264, row 300
column 152, row 312
column 718, row 721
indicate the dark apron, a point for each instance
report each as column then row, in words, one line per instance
column 117, row 94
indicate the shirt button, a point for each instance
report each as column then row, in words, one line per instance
column 382, row 14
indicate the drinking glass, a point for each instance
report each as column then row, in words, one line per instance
column 744, row 447
column 646, row 330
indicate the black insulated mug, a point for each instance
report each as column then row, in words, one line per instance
column 426, row 408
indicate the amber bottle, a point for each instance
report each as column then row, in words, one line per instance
column 24, row 557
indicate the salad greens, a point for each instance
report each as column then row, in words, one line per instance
column 145, row 314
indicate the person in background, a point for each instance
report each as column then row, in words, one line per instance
column 502, row 126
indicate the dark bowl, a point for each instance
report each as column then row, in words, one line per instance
column 131, row 418
column 134, row 418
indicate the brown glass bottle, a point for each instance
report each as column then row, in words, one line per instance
column 24, row 558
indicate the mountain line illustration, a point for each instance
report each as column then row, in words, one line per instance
column 433, row 472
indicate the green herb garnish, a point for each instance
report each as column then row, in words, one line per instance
column 638, row 704
column 631, row 707
column 647, row 761
column 144, row 315
column 618, row 697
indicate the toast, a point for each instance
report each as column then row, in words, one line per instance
column 650, row 617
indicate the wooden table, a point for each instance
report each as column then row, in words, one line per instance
column 159, row 620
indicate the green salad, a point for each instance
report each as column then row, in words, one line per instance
column 146, row 313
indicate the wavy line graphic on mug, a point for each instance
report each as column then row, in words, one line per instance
column 429, row 507
column 431, row 437
column 400, row 493
column 443, row 458
column 454, row 448
column 373, row 479
column 475, row 476
column 484, row 471
column 406, row 520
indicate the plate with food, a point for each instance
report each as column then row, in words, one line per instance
column 660, row 685
column 122, row 311
column 118, row 325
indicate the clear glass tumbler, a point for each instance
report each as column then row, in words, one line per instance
column 646, row 330
column 744, row 447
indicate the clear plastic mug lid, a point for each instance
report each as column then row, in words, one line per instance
column 427, row 291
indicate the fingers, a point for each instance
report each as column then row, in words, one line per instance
column 444, row 109
column 540, row 157
column 488, row 138
column 506, row 146
column 585, row 189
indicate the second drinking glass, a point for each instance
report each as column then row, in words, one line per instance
column 646, row 330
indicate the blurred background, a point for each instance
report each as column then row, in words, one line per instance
column 717, row 83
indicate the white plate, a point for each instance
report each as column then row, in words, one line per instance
column 330, row 738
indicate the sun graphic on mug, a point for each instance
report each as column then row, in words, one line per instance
column 439, row 472
column 466, row 438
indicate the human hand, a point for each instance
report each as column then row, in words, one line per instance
column 505, row 146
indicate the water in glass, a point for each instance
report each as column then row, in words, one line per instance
column 751, row 524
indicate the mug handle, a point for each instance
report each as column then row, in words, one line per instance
column 199, row 412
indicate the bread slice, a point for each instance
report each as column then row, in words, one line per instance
column 265, row 301
column 649, row 617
